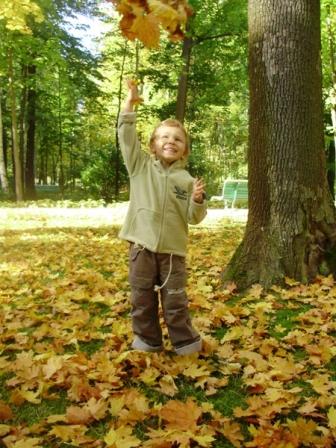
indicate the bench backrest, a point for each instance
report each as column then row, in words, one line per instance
column 235, row 189
column 229, row 190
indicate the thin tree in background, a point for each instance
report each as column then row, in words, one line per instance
column 15, row 139
column 3, row 173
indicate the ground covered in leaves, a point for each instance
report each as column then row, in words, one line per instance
column 266, row 376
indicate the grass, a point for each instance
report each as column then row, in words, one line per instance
column 230, row 397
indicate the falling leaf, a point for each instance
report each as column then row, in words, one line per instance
column 146, row 28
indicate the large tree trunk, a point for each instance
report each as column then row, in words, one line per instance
column 30, row 192
column 291, row 228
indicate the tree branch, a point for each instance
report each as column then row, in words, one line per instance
column 199, row 39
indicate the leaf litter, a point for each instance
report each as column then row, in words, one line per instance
column 266, row 376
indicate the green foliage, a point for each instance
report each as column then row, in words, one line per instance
column 78, row 96
column 99, row 177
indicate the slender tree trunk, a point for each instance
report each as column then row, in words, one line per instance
column 291, row 229
column 117, row 158
column 3, row 171
column 60, row 137
column 15, row 142
column 30, row 154
column 22, row 121
column 183, row 79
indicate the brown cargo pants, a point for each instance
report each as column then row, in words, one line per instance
column 146, row 270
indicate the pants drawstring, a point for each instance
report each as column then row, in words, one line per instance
column 158, row 288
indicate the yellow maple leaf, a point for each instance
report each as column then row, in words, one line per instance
column 56, row 418
column 97, row 408
column 54, row 364
column 196, row 371
column 33, row 442
column 5, row 411
column 305, row 430
column 322, row 384
column 121, row 438
column 179, row 415
column 116, row 405
column 232, row 431
column 30, row 396
column 76, row 415
column 204, row 440
column 4, row 430
column 332, row 417
column 149, row 375
column 146, row 28
column 68, row 433
column 168, row 386
column 167, row 15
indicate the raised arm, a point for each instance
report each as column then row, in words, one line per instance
column 133, row 98
column 129, row 144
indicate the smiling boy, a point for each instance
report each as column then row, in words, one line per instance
column 164, row 198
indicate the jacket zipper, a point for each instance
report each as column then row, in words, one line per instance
column 163, row 209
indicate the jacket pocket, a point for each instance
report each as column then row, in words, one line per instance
column 145, row 226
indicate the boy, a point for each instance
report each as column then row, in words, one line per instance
column 164, row 198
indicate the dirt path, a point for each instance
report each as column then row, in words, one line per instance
column 21, row 218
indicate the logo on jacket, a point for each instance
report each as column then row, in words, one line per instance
column 180, row 193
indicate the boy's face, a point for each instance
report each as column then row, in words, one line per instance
column 169, row 144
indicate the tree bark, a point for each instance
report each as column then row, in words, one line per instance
column 331, row 167
column 15, row 143
column 117, row 165
column 30, row 191
column 22, row 117
column 3, row 171
column 183, row 79
column 291, row 228
column 61, row 178
column 333, row 72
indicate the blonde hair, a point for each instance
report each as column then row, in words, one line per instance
column 171, row 122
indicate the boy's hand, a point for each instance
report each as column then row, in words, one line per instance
column 133, row 97
column 198, row 193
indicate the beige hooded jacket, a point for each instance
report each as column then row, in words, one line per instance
column 160, row 198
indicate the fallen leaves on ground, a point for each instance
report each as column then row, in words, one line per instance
column 266, row 376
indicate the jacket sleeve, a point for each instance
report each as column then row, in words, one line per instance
column 133, row 156
column 196, row 212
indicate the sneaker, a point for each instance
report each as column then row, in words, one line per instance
column 139, row 344
column 190, row 348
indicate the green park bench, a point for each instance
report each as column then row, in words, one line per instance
column 47, row 188
column 234, row 190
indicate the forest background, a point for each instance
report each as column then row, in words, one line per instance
column 60, row 101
